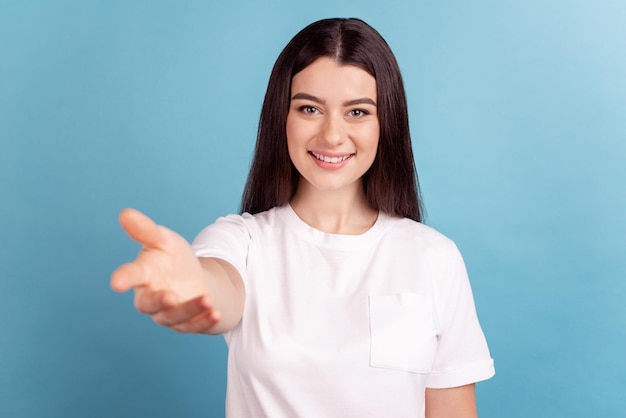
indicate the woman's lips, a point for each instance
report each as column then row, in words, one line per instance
column 330, row 161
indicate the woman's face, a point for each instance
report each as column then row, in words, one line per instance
column 332, row 125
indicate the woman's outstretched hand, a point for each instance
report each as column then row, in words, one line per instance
column 170, row 283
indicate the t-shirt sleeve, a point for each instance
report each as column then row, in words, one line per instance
column 228, row 239
column 462, row 354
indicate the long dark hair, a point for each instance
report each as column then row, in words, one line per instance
column 390, row 184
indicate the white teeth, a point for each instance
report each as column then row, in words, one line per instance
column 333, row 160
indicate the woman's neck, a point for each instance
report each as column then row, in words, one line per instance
column 334, row 212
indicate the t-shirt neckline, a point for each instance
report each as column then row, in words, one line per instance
column 333, row 241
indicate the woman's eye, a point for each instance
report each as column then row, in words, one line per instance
column 309, row 110
column 357, row 113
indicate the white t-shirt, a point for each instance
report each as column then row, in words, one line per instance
column 345, row 325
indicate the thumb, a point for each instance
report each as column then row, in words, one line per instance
column 141, row 228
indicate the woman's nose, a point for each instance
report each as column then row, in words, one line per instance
column 333, row 130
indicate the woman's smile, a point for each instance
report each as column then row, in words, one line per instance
column 330, row 161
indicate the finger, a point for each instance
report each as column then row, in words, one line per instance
column 151, row 302
column 183, row 312
column 201, row 324
column 141, row 228
column 128, row 276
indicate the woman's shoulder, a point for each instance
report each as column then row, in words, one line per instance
column 235, row 231
column 266, row 219
column 405, row 229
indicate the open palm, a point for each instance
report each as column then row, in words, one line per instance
column 168, row 279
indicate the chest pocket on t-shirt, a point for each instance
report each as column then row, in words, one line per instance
column 403, row 335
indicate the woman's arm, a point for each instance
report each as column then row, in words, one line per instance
column 173, row 286
column 459, row 402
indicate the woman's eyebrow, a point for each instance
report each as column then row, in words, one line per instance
column 363, row 100
column 305, row 96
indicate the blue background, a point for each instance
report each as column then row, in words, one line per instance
column 518, row 115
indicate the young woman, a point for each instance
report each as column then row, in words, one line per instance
column 334, row 299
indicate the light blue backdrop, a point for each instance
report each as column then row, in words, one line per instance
column 518, row 113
